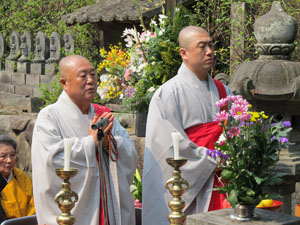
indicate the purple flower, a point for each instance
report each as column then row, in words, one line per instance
column 242, row 124
column 216, row 154
column 286, row 123
column 219, row 154
column 272, row 138
column 208, row 152
column 226, row 157
column 129, row 91
column 273, row 124
column 283, row 140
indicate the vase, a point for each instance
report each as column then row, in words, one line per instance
column 244, row 213
column 138, row 216
column 140, row 125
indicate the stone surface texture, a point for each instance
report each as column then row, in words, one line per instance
column 222, row 217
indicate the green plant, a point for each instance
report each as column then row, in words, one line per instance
column 136, row 188
column 249, row 147
column 50, row 95
column 154, row 57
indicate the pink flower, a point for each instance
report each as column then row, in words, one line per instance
column 239, row 111
column 234, row 131
column 222, row 116
column 127, row 74
column 222, row 102
column 234, row 98
column 243, row 103
column 222, row 140
column 143, row 35
column 245, row 117
column 137, row 203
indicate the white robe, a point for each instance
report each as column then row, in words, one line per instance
column 182, row 102
column 63, row 119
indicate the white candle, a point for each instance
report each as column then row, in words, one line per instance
column 68, row 147
column 175, row 138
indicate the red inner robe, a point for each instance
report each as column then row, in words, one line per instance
column 206, row 135
column 99, row 109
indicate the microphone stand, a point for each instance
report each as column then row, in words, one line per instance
column 100, row 134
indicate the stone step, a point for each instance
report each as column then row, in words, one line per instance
column 18, row 103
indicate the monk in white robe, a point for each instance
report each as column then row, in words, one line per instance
column 185, row 101
column 72, row 116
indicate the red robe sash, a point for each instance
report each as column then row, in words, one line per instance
column 99, row 110
column 206, row 135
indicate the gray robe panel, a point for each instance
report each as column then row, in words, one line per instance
column 64, row 119
column 182, row 102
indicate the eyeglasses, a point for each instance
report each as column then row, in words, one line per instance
column 11, row 156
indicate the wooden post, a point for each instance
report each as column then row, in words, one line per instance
column 171, row 5
column 239, row 12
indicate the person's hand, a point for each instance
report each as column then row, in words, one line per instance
column 111, row 118
column 106, row 131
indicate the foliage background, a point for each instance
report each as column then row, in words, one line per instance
column 45, row 16
column 214, row 16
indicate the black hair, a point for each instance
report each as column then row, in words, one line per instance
column 7, row 140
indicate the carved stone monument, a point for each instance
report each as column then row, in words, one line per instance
column 41, row 53
column 69, row 44
column 14, row 54
column 23, row 65
column 56, row 44
column 272, row 84
column 3, row 49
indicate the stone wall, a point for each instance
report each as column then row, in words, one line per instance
column 20, row 127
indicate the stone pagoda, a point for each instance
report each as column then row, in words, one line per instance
column 272, row 84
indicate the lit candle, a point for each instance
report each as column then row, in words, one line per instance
column 68, row 147
column 175, row 138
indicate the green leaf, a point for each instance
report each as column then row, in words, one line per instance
column 226, row 174
column 232, row 198
column 137, row 175
column 247, row 200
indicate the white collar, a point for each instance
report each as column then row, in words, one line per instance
column 9, row 177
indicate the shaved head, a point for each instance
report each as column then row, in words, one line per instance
column 196, row 50
column 186, row 35
column 79, row 80
column 68, row 62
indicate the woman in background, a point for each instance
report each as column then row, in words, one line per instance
column 15, row 185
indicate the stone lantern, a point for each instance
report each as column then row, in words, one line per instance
column 272, row 84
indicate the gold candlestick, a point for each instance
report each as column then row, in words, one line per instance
column 66, row 198
column 176, row 217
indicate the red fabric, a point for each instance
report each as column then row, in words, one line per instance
column 222, row 91
column 99, row 109
column 206, row 135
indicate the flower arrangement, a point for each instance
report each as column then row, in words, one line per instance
column 248, row 150
column 115, row 62
column 152, row 57
column 136, row 189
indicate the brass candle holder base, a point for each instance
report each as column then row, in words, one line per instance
column 66, row 198
column 176, row 217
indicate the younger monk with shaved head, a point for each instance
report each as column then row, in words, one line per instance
column 71, row 117
column 186, row 103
